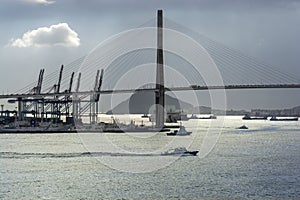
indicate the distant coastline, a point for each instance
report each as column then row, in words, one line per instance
column 286, row 112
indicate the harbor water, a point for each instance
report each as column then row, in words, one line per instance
column 262, row 162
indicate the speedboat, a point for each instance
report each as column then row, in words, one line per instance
column 182, row 131
column 180, row 151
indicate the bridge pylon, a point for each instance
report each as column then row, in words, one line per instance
column 160, row 89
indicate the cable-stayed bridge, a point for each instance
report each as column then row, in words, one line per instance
column 75, row 89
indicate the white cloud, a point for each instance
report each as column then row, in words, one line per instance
column 56, row 35
column 46, row 2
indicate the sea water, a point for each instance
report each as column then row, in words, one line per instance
column 262, row 162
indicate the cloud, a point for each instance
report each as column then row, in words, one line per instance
column 46, row 2
column 56, row 35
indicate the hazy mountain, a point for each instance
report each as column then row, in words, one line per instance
column 296, row 109
column 143, row 102
column 202, row 110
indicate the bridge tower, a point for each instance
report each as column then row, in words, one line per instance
column 160, row 89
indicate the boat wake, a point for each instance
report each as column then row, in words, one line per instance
column 17, row 155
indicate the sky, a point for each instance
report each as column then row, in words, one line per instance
column 47, row 33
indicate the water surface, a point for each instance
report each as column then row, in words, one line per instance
column 262, row 162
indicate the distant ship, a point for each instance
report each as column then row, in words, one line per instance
column 247, row 117
column 51, row 128
column 145, row 116
column 119, row 128
column 82, row 128
column 194, row 117
column 283, row 119
column 208, row 117
column 173, row 117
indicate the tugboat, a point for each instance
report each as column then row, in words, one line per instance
column 179, row 151
column 181, row 132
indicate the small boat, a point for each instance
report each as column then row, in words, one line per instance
column 242, row 127
column 182, row 131
column 205, row 117
column 209, row 117
column 183, row 117
column 180, row 151
column 194, row 117
column 171, row 119
column 247, row 117
column 145, row 116
column 283, row 119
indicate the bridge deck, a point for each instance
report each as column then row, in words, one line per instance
column 228, row 87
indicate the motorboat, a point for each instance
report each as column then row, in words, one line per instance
column 180, row 151
column 181, row 132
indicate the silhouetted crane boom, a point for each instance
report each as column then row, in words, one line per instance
column 59, row 79
column 40, row 81
column 71, row 83
column 99, row 86
column 37, row 89
column 96, row 80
